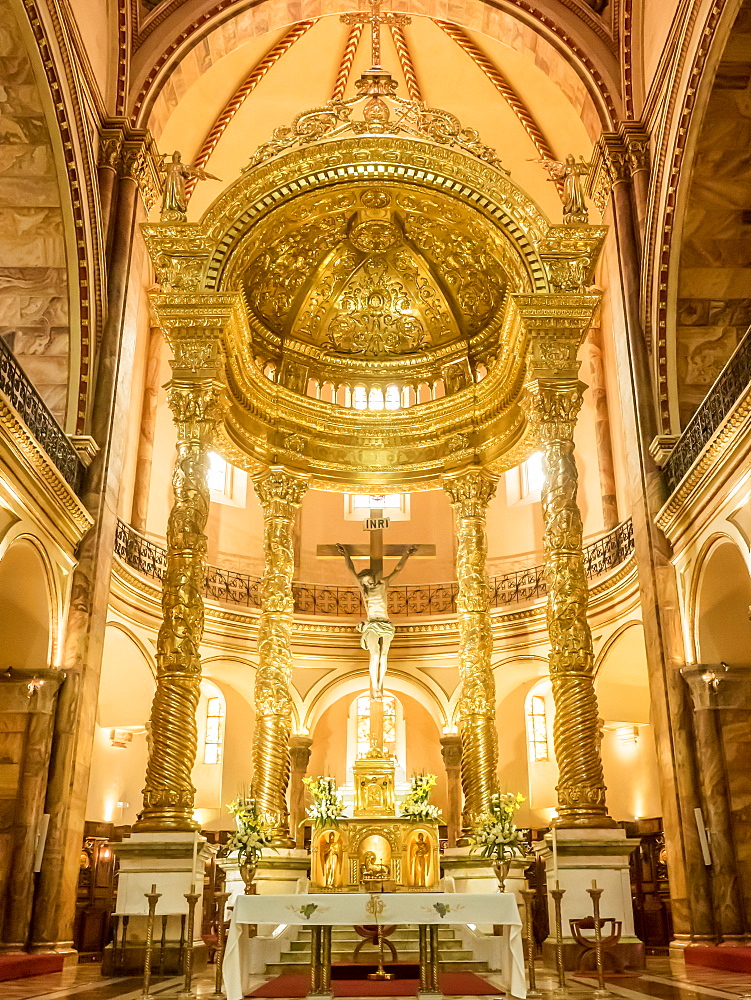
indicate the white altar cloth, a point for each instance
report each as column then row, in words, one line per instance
column 337, row 909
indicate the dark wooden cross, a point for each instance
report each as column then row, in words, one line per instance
column 376, row 551
column 375, row 18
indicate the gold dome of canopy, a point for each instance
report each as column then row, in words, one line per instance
column 376, row 273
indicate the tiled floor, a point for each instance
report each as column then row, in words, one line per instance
column 660, row 981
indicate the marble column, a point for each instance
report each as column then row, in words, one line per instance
column 599, row 393
column 299, row 752
column 470, row 493
column 280, row 495
column 195, row 398
column 705, row 682
column 28, row 700
column 552, row 406
column 75, row 718
column 636, row 141
column 451, row 751
column 690, row 889
column 151, row 387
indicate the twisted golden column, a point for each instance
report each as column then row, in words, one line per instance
column 552, row 407
column 168, row 795
column 469, row 493
column 280, row 495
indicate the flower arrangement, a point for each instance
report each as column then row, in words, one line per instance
column 327, row 808
column 415, row 805
column 495, row 835
column 254, row 830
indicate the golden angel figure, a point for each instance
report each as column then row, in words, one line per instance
column 174, row 196
column 571, row 172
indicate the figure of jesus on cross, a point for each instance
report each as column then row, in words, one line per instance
column 377, row 631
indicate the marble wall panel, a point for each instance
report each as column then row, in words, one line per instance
column 713, row 309
column 736, row 737
column 34, row 311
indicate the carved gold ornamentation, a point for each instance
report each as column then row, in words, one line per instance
column 280, row 495
column 611, row 164
column 469, row 493
column 552, row 407
column 383, row 113
column 132, row 153
column 168, row 795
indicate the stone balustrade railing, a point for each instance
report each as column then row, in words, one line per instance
column 241, row 589
column 727, row 388
column 21, row 395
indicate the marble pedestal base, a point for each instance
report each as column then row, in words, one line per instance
column 279, row 872
column 175, row 863
column 471, row 873
column 581, row 857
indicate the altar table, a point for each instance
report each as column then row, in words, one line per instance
column 322, row 911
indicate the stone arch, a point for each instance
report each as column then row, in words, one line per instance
column 721, row 604
column 587, row 81
column 39, row 298
column 695, row 203
column 27, row 607
column 628, row 745
column 323, row 694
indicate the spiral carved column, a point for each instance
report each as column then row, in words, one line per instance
column 169, row 792
column 552, row 407
column 470, row 493
column 280, row 495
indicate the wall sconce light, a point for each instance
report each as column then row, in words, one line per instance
column 120, row 738
column 712, row 678
column 627, row 735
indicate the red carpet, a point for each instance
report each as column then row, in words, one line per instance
column 19, row 965
column 732, row 959
column 454, row 984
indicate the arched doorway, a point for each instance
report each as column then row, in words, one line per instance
column 723, row 628
column 28, row 696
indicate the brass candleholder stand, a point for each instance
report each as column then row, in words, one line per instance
column 220, row 898
column 152, row 897
column 186, row 993
column 528, row 895
column 375, row 906
column 557, row 895
column 595, row 894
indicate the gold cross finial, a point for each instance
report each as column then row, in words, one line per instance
column 375, row 18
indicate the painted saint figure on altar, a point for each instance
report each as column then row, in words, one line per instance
column 377, row 630
column 420, row 860
column 330, row 852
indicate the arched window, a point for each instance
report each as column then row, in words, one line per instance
column 227, row 484
column 533, row 475
column 218, row 473
column 360, row 397
column 392, row 397
column 212, row 747
column 363, row 724
column 537, row 729
column 375, row 399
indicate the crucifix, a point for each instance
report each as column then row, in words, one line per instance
column 375, row 18
column 377, row 630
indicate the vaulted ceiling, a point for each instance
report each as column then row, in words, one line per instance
column 218, row 98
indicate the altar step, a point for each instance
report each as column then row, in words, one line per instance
column 453, row 957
